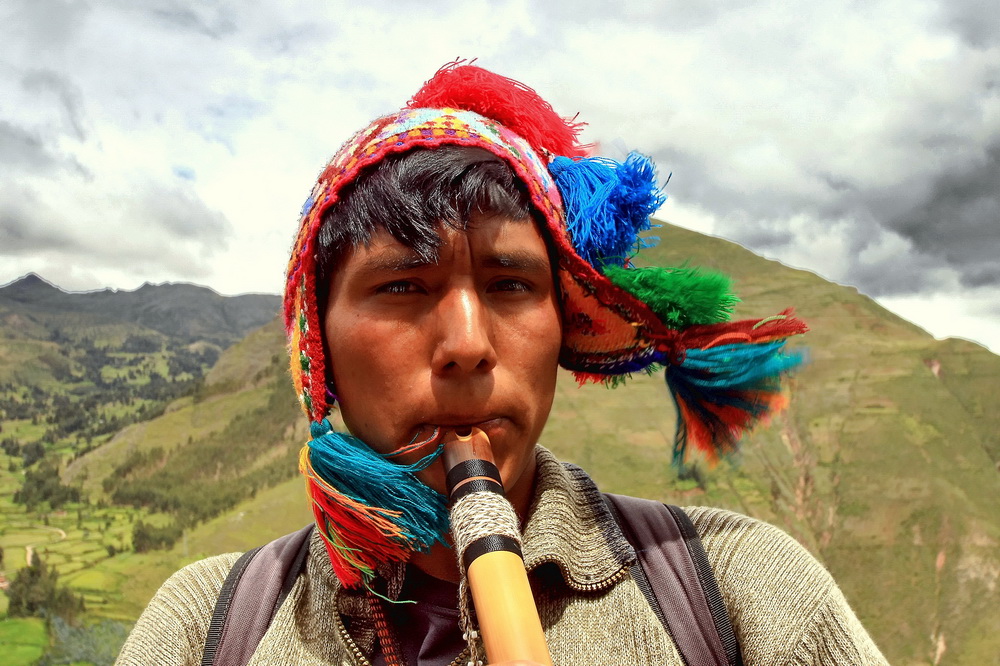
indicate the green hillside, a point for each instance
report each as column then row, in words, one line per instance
column 77, row 370
column 885, row 465
column 77, row 367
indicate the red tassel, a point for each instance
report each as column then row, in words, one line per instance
column 353, row 543
column 778, row 327
column 509, row 102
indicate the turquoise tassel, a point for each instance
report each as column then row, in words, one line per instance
column 356, row 470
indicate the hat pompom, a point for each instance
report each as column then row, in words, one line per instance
column 727, row 377
column 680, row 297
column 607, row 205
column 509, row 102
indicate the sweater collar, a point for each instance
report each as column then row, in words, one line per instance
column 570, row 526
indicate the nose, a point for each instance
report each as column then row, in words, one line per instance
column 465, row 336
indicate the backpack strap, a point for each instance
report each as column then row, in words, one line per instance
column 253, row 591
column 677, row 579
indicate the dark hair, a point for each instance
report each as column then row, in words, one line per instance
column 411, row 194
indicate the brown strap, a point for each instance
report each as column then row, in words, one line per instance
column 254, row 590
column 678, row 591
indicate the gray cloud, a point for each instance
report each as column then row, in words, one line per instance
column 904, row 274
column 949, row 216
column 761, row 234
column 179, row 213
column 163, row 227
column 960, row 216
column 26, row 223
column 52, row 24
column 981, row 276
column 215, row 22
column 977, row 21
column 23, row 149
column 68, row 94
column 668, row 14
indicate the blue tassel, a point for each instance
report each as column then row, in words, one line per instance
column 356, row 470
column 725, row 390
column 607, row 204
column 738, row 366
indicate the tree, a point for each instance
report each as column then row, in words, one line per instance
column 149, row 537
column 96, row 644
column 43, row 485
column 32, row 453
column 35, row 591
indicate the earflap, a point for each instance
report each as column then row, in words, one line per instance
column 723, row 376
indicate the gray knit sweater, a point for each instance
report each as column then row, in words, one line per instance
column 785, row 607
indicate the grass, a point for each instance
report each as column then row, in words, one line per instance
column 172, row 429
column 22, row 641
column 878, row 466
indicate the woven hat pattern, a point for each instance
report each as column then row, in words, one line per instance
column 600, row 331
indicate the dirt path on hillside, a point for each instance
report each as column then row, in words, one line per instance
column 29, row 550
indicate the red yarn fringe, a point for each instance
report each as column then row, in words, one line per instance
column 355, row 548
column 778, row 327
column 509, row 102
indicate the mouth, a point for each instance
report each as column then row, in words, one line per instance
column 464, row 425
column 430, row 433
column 435, row 428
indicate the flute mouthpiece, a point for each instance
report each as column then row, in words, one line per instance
column 474, row 444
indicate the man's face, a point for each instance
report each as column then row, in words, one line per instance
column 472, row 339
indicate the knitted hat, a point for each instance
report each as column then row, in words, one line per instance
column 617, row 319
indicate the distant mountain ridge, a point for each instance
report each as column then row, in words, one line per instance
column 886, row 465
column 173, row 309
column 77, row 367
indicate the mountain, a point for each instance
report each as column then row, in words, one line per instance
column 885, row 464
column 176, row 310
column 110, row 353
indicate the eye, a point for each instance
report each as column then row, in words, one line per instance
column 399, row 287
column 510, row 285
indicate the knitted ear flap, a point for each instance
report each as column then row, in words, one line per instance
column 511, row 103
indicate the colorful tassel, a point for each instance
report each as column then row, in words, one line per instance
column 680, row 297
column 509, row 102
column 369, row 511
column 607, row 204
column 726, row 378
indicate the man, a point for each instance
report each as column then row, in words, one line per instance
column 450, row 257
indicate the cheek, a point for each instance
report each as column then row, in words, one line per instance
column 534, row 352
column 369, row 386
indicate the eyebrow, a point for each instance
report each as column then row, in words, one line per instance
column 517, row 260
column 397, row 262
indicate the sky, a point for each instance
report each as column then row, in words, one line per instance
column 174, row 140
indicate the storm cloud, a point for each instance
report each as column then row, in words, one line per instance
column 175, row 140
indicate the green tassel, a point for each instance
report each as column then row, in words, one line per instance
column 680, row 297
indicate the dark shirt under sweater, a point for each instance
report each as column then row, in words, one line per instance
column 427, row 630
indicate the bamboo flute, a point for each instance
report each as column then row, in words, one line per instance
column 482, row 522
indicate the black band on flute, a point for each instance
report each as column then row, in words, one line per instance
column 490, row 543
column 470, row 468
column 476, row 486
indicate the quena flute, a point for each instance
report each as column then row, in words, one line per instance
column 487, row 537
